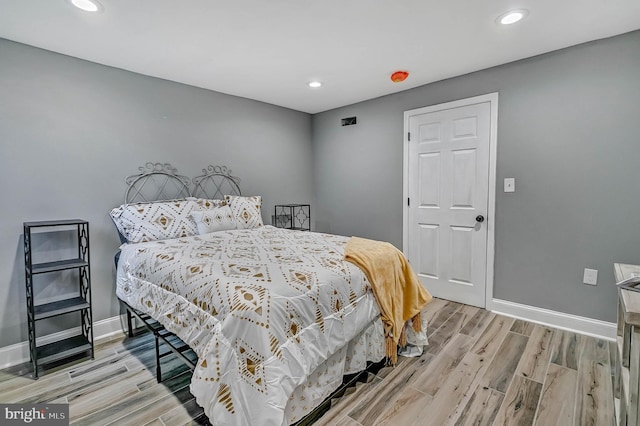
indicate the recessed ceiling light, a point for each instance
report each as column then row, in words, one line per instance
column 512, row 16
column 315, row 84
column 87, row 5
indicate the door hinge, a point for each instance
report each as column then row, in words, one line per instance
column 409, row 136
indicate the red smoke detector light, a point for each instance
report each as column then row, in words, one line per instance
column 399, row 76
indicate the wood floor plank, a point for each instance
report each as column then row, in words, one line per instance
column 478, row 360
column 613, row 356
column 90, row 403
column 200, row 420
column 405, row 408
column 83, row 387
column 96, row 381
column 31, row 387
column 447, row 330
column 442, row 315
column 342, row 406
column 183, row 414
column 596, row 350
column 469, row 312
column 134, row 402
column 477, row 323
column 504, row 364
column 462, row 381
column 369, row 408
column 520, row 403
column 15, row 377
column 566, row 348
column 535, row 359
column 85, row 370
column 109, row 345
column 482, row 408
column 523, row 327
column 459, row 386
column 594, row 396
column 173, row 370
column 346, row 421
column 429, row 378
column 152, row 410
column 404, row 362
column 432, row 309
column 557, row 401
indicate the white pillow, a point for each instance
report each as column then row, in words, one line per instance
column 158, row 220
column 214, row 219
column 246, row 210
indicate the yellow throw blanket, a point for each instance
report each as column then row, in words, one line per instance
column 399, row 293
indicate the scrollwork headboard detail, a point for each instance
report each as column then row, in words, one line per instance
column 156, row 181
column 215, row 182
column 161, row 181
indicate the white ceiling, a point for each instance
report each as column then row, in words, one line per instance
column 269, row 49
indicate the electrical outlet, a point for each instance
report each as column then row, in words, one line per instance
column 509, row 185
column 590, row 276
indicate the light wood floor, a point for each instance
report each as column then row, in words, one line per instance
column 479, row 368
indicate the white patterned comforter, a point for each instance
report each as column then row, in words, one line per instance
column 262, row 308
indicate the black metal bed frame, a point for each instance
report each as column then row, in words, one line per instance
column 160, row 334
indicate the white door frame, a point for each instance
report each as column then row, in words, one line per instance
column 492, row 98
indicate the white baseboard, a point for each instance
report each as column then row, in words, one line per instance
column 19, row 353
column 589, row 326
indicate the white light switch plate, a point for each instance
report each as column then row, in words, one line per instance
column 590, row 276
column 509, row 184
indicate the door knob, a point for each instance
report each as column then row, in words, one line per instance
column 479, row 218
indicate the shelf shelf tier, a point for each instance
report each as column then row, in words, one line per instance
column 82, row 302
column 60, row 307
column 58, row 265
column 63, row 349
column 46, row 223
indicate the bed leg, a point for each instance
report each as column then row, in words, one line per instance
column 158, row 370
column 129, row 323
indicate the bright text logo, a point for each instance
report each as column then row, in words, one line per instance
column 35, row 414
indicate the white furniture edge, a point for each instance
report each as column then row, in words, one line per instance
column 19, row 352
column 583, row 325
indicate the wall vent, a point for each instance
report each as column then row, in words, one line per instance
column 349, row 121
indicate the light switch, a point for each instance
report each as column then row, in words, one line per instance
column 509, row 184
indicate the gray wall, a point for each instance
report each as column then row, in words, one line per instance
column 568, row 126
column 71, row 130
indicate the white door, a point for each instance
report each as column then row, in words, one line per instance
column 447, row 173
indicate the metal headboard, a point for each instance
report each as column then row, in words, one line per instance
column 215, row 182
column 156, row 181
column 160, row 182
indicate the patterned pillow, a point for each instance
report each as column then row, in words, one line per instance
column 246, row 210
column 206, row 204
column 215, row 219
column 159, row 220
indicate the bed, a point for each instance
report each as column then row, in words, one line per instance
column 276, row 317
